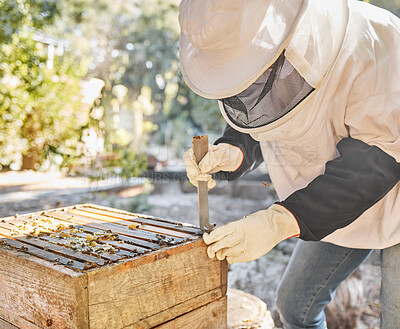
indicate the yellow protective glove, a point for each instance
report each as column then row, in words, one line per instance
column 221, row 157
column 253, row 236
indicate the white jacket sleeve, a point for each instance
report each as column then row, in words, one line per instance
column 367, row 167
column 373, row 112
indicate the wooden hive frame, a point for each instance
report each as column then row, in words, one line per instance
column 88, row 266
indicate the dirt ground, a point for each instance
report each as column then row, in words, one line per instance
column 260, row 277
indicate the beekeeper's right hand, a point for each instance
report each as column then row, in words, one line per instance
column 221, row 157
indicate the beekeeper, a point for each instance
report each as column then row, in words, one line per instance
column 313, row 89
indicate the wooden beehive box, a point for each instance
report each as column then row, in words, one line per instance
column 94, row 267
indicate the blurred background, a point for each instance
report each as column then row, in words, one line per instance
column 93, row 108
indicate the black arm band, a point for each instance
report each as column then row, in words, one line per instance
column 252, row 156
column 352, row 183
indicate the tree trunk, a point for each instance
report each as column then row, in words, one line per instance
column 346, row 308
column 30, row 159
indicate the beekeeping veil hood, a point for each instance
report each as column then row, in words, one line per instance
column 268, row 55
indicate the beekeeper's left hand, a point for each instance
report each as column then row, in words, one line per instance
column 252, row 236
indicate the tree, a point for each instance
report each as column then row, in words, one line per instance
column 134, row 44
column 39, row 103
column 16, row 15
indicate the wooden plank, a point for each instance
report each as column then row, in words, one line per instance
column 5, row 232
column 7, row 226
column 210, row 316
column 179, row 309
column 83, row 250
column 123, row 294
column 150, row 220
column 55, row 245
column 147, row 282
column 119, row 254
column 36, row 295
column 16, row 320
column 107, row 227
column 224, row 276
column 14, row 224
column 124, row 226
column 188, row 230
column 146, row 224
column 6, row 325
column 44, row 254
column 127, row 245
column 62, row 251
column 105, row 216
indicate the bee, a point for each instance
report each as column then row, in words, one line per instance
column 65, row 235
column 90, row 237
column 133, row 226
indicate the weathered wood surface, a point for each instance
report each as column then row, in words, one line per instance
column 150, row 287
column 6, row 325
column 151, row 278
column 210, row 316
column 147, row 224
column 179, row 309
column 82, row 220
column 36, row 294
column 246, row 311
column 345, row 310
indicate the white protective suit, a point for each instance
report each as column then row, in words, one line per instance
column 349, row 52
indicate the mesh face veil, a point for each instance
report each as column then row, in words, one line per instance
column 275, row 93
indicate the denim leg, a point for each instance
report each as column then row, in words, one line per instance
column 390, row 288
column 314, row 272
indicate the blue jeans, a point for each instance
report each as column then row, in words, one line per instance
column 314, row 272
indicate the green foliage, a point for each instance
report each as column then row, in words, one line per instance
column 135, row 44
column 139, row 203
column 40, row 108
column 122, row 162
column 132, row 46
column 127, row 163
column 17, row 14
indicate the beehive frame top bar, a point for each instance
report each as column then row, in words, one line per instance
column 86, row 236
